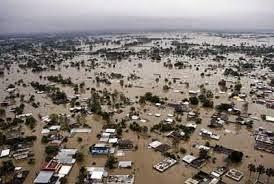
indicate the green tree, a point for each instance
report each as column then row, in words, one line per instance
column 165, row 87
column 203, row 154
column 193, row 100
column 79, row 156
column 238, row 86
column 269, row 172
column 208, row 103
column 51, row 150
column 145, row 129
column 7, row 168
column 119, row 131
column 82, row 175
column 94, row 104
column 121, row 83
column 20, row 109
column 251, row 168
column 79, row 139
column 111, row 161
column 260, row 170
column 30, row 122
column 236, row 156
column 183, row 150
column 44, row 140
column 2, row 138
column 2, row 112
column 142, row 100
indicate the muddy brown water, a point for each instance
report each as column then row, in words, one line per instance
column 144, row 158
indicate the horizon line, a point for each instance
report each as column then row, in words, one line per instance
column 142, row 30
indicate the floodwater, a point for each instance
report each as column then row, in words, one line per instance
column 239, row 139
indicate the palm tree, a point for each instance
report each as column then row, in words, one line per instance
column 260, row 169
column 252, row 168
column 269, row 172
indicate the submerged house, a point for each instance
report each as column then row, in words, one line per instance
column 120, row 179
column 125, row 144
column 99, row 149
column 96, row 174
column 209, row 134
column 264, row 140
column 176, row 135
column 125, row 164
column 203, row 178
column 165, row 164
column 52, row 165
column 216, row 123
column 66, row 156
column 44, row 177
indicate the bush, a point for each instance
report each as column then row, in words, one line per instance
column 223, row 107
column 151, row 98
column 222, row 83
column 208, row 103
column 238, row 87
column 135, row 127
column 119, row 131
column 203, row 154
column 63, row 180
column 183, row 150
column 30, row 122
column 193, row 100
column 82, row 175
column 2, row 138
column 7, row 166
column 51, row 150
column 20, row 109
column 44, row 140
column 79, row 156
column 198, row 121
column 48, row 158
column 79, row 139
column 2, row 112
column 59, row 97
column 165, row 87
column 111, row 161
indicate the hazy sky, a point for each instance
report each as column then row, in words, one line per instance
column 107, row 15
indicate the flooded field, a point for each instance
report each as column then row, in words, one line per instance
column 117, row 72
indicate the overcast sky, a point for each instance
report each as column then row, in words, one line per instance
column 107, row 15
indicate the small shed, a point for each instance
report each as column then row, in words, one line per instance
column 125, row 164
